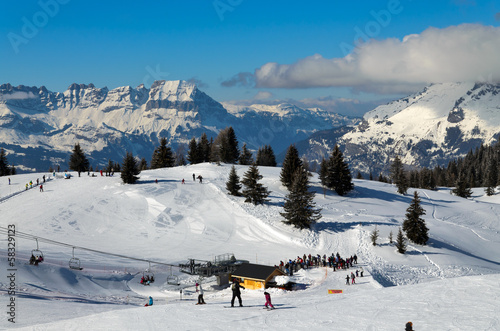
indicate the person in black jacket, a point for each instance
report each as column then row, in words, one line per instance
column 236, row 292
column 409, row 326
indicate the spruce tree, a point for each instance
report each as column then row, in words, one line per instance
column 299, row 207
column 162, row 156
column 374, row 236
column 291, row 163
column 338, row 175
column 413, row 225
column 265, row 157
column 231, row 151
column 233, row 183
column 204, row 148
column 143, row 165
column 246, row 157
column 193, row 154
column 78, row 161
column 491, row 177
column 462, row 186
column 5, row 170
column 323, row 172
column 399, row 176
column 254, row 191
column 401, row 242
column 130, row 169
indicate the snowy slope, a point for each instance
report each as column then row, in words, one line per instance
column 452, row 283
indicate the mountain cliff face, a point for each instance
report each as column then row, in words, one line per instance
column 39, row 128
column 430, row 128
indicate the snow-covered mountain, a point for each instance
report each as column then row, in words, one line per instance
column 441, row 123
column 39, row 128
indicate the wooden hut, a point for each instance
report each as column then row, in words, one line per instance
column 255, row 276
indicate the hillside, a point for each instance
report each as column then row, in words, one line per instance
column 450, row 283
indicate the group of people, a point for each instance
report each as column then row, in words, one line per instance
column 34, row 260
column 147, row 279
column 30, row 184
column 308, row 261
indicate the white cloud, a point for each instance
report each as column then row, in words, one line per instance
column 18, row 95
column 263, row 95
column 458, row 53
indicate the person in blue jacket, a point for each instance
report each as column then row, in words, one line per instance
column 150, row 303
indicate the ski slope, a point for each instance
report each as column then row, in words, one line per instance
column 451, row 283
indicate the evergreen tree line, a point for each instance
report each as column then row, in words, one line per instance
column 479, row 168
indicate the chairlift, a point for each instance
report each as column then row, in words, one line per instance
column 74, row 262
column 148, row 276
column 172, row 280
column 36, row 255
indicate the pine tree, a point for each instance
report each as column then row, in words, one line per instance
column 299, row 207
column 291, row 163
column 401, row 242
column 5, row 170
column 491, row 177
column 246, row 157
column 265, row 157
column 193, row 155
column 323, row 172
column 233, row 183
column 462, row 186
column 204, row 148
column 254, row 191
column 390, row 237
column 231, row 150
column 143, row 165
column 78, row 161
column 162, row 156
column 399, row 176
column 413, row 225
column 359, row 175
column 130, row 169
column 338, row 175
column 374, row 236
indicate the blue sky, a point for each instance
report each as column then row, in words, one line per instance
column 250, row 51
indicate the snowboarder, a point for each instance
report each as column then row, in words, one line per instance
column 409, row 326
column 236, row 292
column 268, row 300
column 199, row 289
column 150, row 303
column 347, row 280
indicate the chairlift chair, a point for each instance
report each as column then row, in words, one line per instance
column 147, row 276
column 36, row 255
column 172, row 280
column 74, row 262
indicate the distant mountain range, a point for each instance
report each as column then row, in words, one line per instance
column 430, row 128
column 39, row 128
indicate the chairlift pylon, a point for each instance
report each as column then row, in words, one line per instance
column 36, row 255
column 74, row 262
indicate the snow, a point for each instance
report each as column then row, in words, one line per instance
column 450, row 284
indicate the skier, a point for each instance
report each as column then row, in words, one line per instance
column 9, row 181
column 199, row 289
column 150, row 303
column 41, row 187
column 353, row 278
column 200, row 178
column 194, row 177
column 268, row 300
column 347, row 280
column 409, row 326
column 361, row 271
column 236, row 292
column 183, row 182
